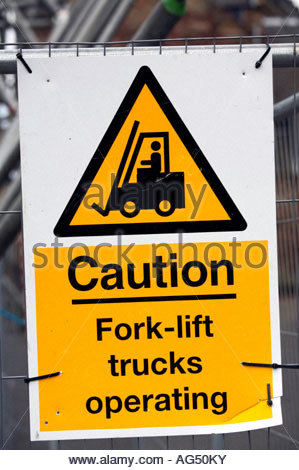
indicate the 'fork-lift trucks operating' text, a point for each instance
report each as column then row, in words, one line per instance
column 155, row 189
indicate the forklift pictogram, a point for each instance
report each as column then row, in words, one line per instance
column 142, row 179
column 155, row 189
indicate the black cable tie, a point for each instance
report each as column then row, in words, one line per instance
column 41, row 377
column 260, row 61
column 269, row 400
column 273, row 366
column 21, row 58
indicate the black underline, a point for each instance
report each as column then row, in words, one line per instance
column 164, row 298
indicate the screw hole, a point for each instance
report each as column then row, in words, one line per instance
column 46, row 422
column 58, row 412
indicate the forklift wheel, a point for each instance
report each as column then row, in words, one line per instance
column 168, row 211
column 127, row 213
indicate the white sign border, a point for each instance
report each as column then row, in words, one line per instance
column 255, row 54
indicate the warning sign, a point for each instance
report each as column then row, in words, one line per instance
column 152, row 339
column 147, row 173
column 150, row 245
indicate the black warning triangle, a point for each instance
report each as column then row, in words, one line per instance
column 64, row 228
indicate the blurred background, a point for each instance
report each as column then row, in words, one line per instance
column 31, row 21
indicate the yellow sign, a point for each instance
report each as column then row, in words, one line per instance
column 148, row 175
column 154, row 337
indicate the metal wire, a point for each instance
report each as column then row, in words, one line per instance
column 14, row 377
column 281, row 201
column 294, row 182
column 11, row 212
column 249, row 440
column 265, row 39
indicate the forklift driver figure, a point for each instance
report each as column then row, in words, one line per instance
column 155, row 161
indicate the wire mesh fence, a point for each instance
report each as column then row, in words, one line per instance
column 14, row 413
